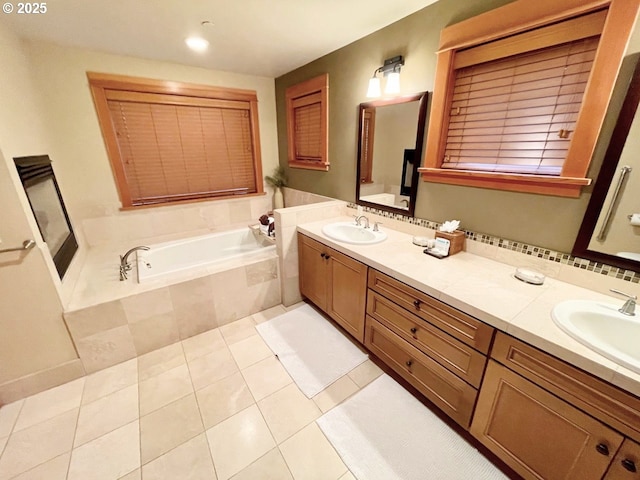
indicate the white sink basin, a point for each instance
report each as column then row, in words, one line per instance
column 600, row 327
column 349, row 232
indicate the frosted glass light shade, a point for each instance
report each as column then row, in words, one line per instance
column 393, row 83
column 374, row 87
column 197, row 44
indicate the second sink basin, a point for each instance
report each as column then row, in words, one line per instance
column 600, row 327
column 349, row 232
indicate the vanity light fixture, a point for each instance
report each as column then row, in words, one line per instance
column 391, row 70
column 197, row 44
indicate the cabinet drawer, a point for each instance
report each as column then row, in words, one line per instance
column 626, row 465
column 609, row 404
column 452, row 354
column 536, row 433
column 451, row 394
column 460, row 325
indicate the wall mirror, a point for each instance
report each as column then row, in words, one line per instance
column 391, row 136
column 610, row 233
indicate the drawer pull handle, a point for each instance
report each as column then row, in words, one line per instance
column 408, row 363
column 327, row 256
column 629, row 465
column 414, row 330
column 416, row 303
column 323, row 255
column 602, row 449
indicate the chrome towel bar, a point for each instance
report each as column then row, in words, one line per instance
column 624, row 171
column 26, row 245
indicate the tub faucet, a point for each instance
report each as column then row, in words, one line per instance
column 125, row 266
column 366, row 221
column 405, row 201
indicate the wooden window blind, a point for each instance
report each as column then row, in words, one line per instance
column 516, row 115
column 307, row 124
column 521, row 94
column 366, row 144
column 167, row 147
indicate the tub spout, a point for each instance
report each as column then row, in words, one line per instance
column 125, row 265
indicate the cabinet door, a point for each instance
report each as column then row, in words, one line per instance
column 313, row 270
column 626, row 465
column 347, row 294
column 536, row 433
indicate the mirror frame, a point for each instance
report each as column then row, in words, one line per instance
column 423, row 98
column 607, row 172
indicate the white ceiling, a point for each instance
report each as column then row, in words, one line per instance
column 258, row 37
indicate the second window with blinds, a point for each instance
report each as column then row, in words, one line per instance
column 307, row 124
column 170, row 142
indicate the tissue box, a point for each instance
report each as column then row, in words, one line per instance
column 456, row 238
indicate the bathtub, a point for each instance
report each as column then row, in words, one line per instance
column 165, row 259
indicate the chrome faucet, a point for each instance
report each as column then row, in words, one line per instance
column 405, row 201
column 125, row 266
column 366, row 221
column 629, row 307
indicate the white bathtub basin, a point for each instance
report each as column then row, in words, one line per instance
column 600, row 327
column 349, row 232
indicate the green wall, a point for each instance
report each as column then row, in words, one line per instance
column 541, row 220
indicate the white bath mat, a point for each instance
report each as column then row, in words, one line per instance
column 384, row 433
column 311, row 349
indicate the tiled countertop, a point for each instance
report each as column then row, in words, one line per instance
column 487, row 290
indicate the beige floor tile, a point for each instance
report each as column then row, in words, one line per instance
column 239, row 441
column 168, row 427
column 3, row 442
column 288, row 411
column 159, row 361
column 158, row 391
column 55, row 469
column 249, row 351
column 110, row 380
column 40, row 443
column 269, row 467
column 111, row 456
column 189, row 461
column 266, row 377
column 212, row 367
column 347, row 476
column 50, row 403
column 335, row 393
column 8, row 416
column 203, row 344
column 238, row 330
column 223, row 398
column 135, row 475
column 365, row 373
column 310, row 456
column 107, row 414
column 268, row 314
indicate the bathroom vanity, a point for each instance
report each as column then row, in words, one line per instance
column 490, row 358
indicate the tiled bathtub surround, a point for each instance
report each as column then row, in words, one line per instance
column 549, row 261
column 118, row 330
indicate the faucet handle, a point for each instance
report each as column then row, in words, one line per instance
column 375, row 226
column 632, row 297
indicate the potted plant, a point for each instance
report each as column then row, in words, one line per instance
column 277, row 180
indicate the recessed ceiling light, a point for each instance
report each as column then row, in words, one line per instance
column 197, row 44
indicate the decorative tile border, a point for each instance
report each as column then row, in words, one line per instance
column 520, row 247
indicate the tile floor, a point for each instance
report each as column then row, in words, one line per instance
column 215, row 406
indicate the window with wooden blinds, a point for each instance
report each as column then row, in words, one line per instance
column 517, row 115
column 521, row 94
column 307, row 109
column 366, row 144
column 168, row 147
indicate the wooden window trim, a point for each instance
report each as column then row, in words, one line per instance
column 107, row 86
column 516, row 18
column 303, row 93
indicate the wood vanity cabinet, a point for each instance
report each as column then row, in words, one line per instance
column 438, row 349
column 549, row 420
column 335, row 283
